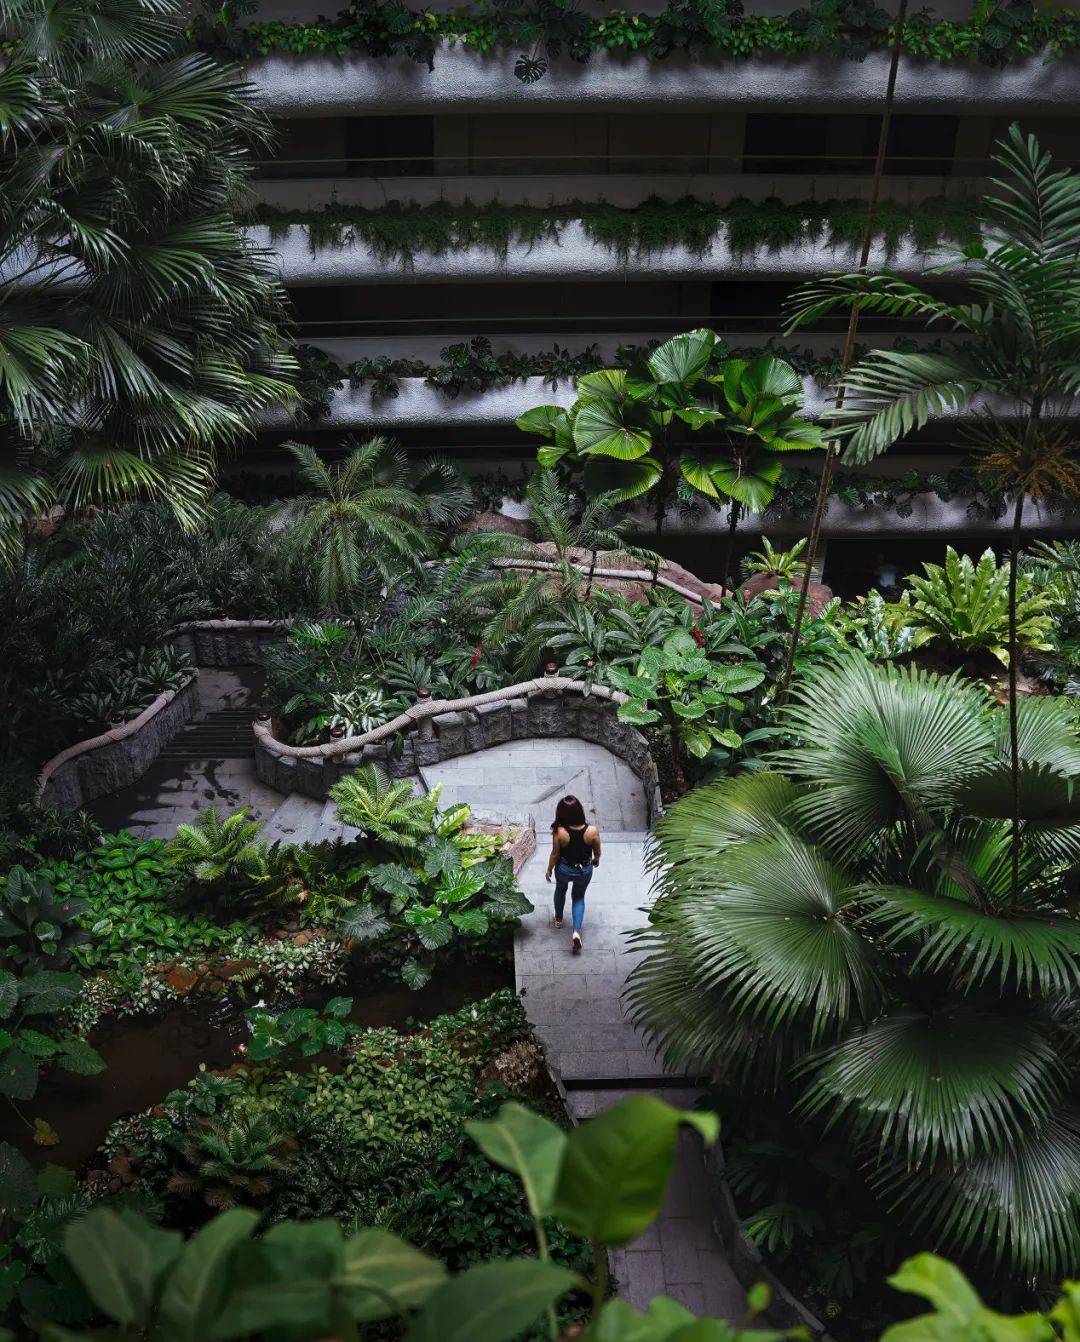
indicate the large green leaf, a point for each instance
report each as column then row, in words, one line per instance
column 1039, row 952
column 196, row 1288
column 119, row 1259
column 616, row 1167
column 683, row 358
column 528, row 1145
column 610, row 429
column 621, row 481
column 495, row 1302
column 953, row 1082
column 750, row 478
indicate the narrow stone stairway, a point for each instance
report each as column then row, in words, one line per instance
column 224, row 734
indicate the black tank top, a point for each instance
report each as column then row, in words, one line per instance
column 577, row 852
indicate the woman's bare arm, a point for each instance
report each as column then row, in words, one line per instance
column 596, row 848
column 556, row 849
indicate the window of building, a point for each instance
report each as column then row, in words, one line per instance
column 390, row 146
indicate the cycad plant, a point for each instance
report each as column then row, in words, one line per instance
column 233, row 1160
column 1018, row 340
column 669, row 424
column 384, row 809
column 139, row 330
column 366, row 515
column 860, row 958
column 222, row 855
column 518, row 601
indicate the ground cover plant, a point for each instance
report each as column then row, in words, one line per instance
column 883, row 1013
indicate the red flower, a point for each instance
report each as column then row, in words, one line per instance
column 474, row 660
column 697, row 636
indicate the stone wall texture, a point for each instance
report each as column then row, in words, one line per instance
column 229, row 642
column 448, row 735
column 105, row 763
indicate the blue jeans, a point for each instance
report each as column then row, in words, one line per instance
column 578, row 879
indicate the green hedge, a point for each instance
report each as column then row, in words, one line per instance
column 1011, row 32
column 401, row 232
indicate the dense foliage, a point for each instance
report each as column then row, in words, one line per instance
column 885, row 1015
column 141, row 330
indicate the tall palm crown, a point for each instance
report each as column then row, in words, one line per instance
column 848, row 924
column 1019, row 331
column 368, row 515
column 139, row 330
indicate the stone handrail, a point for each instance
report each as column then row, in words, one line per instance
column 626, row 575
column 431, row 708
column 434, row 731
column 103, row 763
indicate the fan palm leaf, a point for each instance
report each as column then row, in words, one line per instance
column 949, row 1082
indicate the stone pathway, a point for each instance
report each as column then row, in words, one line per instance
column 575, row 1002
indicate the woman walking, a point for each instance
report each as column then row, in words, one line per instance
column 575, row 853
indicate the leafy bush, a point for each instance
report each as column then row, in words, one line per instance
column 36, row 925
column 32, row 1032
column 966, row 605
column 220, row 858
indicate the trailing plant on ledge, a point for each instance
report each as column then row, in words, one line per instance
column 545, row 30
column 400, row 232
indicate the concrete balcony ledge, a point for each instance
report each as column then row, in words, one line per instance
column 467, row 81
column 572, row 255
column 420, row 405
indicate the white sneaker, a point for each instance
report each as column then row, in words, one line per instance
column 575, row 942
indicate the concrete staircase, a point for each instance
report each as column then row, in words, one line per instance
column 300, row 820
column 224, row 734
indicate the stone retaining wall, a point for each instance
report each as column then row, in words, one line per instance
column 448, row 735
column 747, row 1262
column 102, row 764
column 229, row 642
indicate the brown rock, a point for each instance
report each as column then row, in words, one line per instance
column 301, row 939
column 181, row 980
column 817, row 598
column 510, row 526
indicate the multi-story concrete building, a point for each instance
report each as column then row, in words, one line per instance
column 375, row 136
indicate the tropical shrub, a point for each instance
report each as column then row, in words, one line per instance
column 129, row 382
column 966, row 606
column 221, row 858
column 300, row 1032
column 687, row 702
column 32, row 1031
column 1052, row 568
column 632, row 433
column 38, row 927
column 233, row 1160
column 862, row 962
column 385, row 810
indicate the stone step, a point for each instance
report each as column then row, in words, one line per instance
column 296, row 821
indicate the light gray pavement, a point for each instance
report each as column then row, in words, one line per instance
column 575, row 1002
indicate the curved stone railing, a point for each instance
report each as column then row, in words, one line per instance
column 645, row 575
column 435, row 730
column 101, row 764
column 747, row 1262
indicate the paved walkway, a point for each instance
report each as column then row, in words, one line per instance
column 575, row 1002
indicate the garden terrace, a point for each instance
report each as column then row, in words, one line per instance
column 329, row 84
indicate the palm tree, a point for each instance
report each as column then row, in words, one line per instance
column 847, row 924
column 517, row 600
column 139, row 330
column 366, row 515
column 1021, row 344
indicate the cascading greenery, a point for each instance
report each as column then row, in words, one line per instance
column 997, row 35
column 140, row 332
column 862, row 964
column 400, row 233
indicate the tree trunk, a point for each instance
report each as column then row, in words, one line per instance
column 733, row 523
column 829, row 464
column 1014, row 732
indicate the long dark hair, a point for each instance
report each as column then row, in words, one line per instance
column 569, row 812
